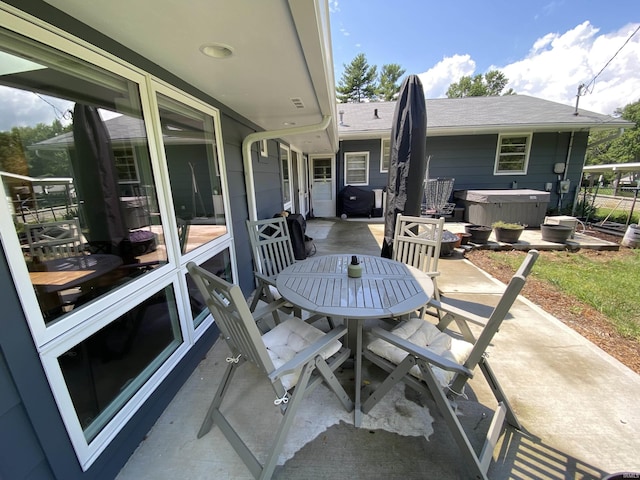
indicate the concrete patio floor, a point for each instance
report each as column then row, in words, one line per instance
column 579, row 406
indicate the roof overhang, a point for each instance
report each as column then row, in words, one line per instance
column 281, row 70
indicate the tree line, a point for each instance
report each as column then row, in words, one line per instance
column 360, row 82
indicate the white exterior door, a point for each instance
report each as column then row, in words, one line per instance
column 303, row 185
column 323, row 200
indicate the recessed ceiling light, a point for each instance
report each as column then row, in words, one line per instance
column 216, row 50
column 288, row 124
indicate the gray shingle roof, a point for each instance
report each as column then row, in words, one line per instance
column 476, row 115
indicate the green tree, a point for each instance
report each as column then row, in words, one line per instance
column 42, row 163
column 389, row 85
column 605, row 147
column 16, row 156
column 491, row 83
column 358, row 81
column 12, row 154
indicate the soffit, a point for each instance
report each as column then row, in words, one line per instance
column 281, row 52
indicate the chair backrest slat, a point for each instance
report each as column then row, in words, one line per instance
column 271, row 245
column 59, row 239
column 417, row 241
column 232, row 315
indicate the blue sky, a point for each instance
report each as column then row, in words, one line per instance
column 545, row 48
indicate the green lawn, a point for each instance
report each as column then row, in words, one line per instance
column 610, row 284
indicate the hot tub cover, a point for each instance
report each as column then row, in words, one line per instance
column 503, row 196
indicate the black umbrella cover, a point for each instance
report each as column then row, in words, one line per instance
column 407, row 166
column 96, row 181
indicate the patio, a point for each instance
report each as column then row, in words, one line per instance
column 578, row 405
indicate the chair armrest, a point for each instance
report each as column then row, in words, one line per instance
column 262, row 312
column 420, row 352
column 308, row 354
column 265, row 278
column 458, row 312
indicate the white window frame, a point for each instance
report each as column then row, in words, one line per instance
column 382, row 154
column 286, row 205
column 366, row 168
column 500, row 155
column 76, row 327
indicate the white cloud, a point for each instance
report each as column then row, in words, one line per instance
column 21, row 108
column 557, row 64
column 437, row 79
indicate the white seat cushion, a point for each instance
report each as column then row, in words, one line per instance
column 426, row 335
column 274, row 292
column 290, row 337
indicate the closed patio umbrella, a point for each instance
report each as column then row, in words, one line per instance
column 407, row 165
column 96, row 182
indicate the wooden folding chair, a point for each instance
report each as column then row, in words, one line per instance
column 59, row 239
column 431, row 359
column 416, row 242
column 272, row 252
column 295, row 357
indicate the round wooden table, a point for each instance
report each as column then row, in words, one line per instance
column 387, row 288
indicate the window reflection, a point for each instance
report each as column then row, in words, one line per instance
column 104, row 371
column 76, row 170
column 220, row 265
column 194, row 172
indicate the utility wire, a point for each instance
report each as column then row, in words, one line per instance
column 585, row 88
column 60, row 115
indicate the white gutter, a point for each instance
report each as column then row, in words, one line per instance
column 248, row 142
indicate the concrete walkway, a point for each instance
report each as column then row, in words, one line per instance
column 579, row 406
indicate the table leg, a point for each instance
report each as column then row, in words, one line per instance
column 354, row 342
column 357, row 420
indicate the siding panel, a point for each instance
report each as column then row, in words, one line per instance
column 470, row 160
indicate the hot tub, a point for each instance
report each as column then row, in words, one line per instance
column 484, row 207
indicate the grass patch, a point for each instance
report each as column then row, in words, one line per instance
column 609, row 283
column 617, row 216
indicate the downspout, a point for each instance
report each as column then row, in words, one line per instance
column 566, row 168
column 248, row 142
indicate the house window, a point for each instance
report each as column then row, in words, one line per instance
column 285, row 175
column 219, row 265
column 125, row 161
column 512, row 154
column 356, row 168
column 88, row 227
column 190, row 148
column 385, row 155
column 108, row 231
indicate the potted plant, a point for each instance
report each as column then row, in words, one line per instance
column 507, row 232
column 448, row 243
column 479, row 233
column 555, row 233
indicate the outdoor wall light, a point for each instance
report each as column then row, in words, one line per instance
column 216, row 50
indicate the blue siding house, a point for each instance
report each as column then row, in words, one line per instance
column 484, row 143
